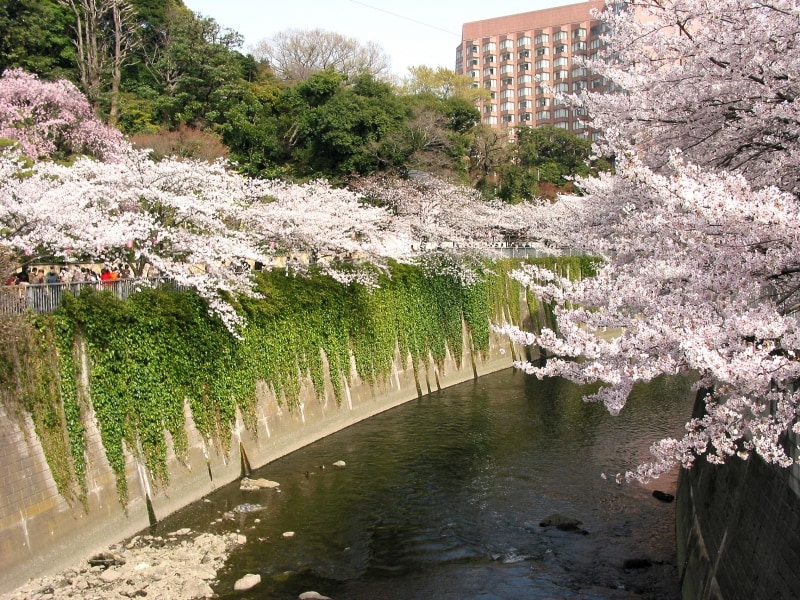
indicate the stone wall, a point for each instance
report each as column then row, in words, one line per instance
column 738, row 529
column 41, row 533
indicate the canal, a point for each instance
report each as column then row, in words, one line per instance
column 443, row 498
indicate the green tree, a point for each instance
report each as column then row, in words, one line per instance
column 442, row 83
column 543, row 155
column 35, row 37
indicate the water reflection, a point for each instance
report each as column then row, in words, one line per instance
column 442, row 498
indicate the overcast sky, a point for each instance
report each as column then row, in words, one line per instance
column 412, row 32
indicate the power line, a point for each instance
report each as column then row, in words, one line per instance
column 458, row 35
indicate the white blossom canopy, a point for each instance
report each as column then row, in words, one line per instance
column 698, row 228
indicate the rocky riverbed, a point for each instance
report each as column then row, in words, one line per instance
column 179, row 566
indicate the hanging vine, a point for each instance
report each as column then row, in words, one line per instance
column 158, row 350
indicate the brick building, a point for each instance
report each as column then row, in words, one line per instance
column 513, row 56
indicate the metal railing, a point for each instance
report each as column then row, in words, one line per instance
column 46, row 297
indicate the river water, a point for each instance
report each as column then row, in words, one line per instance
column 442, row 498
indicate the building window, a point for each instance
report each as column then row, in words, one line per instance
column 543, row 76
column 599, row 29
column 524, row 54
column 542, row 102
column 542, row 63
column 506, row 106
column 473, row 50
column 562, row 125
column 560, row 35
column 507, row 69
column 560, row 75
column 493, row 95
column 594, row 44
column 562, row 49
column 525, row 67
column 490, row 120
column 525, row 117
column 488, row 59
column 561, row 113
column 473, row 62
column 579, row 33
column 596, row 83
column 525, row 79
column 459, row 54
column 542, row 38
column 489, row 108
column 526, row 91
column 508, row 118
column 580, row 72
column 542, row 51
column 489, row 71
column 579, row 112
column 506, row 57
column 524, row 41
column 506, row 44
column 561, row 61
column 473, row 74
column 523, row 104
column 489, row 47
column 578, row 46
column 506, row 81
column 578, row 125
column 577, row 86
column 507, row 94
column 539, row 90
column 542, row 114
column 490, row 83
column 561, row 87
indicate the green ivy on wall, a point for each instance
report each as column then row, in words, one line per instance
column 159, row 350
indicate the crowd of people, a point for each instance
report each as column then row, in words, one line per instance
column 69, row 274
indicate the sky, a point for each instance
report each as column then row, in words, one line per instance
column 412, row 32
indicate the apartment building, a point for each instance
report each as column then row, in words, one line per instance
column 518, row 56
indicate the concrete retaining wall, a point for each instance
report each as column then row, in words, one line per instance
column 41, row 533
column 738, row 530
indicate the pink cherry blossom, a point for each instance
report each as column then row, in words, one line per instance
column 46, row 117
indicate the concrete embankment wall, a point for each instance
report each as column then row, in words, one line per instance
column 41, row 533
column 738, row 530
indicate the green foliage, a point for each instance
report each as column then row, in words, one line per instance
column 31, row 383
column 36, row 37
column 159, row 350
column 545, row 155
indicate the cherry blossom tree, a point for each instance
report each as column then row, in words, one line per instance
column 195, row 222
column 715, row 80
column 697, row 230
column 52, row 117
column 429, row 213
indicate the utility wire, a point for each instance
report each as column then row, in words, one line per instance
column 458, row 35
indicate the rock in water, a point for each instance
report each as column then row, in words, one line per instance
column 663, row 496
column 312, row 596
column 563, row 523
column 340, row 463
column 248, row 581
column 637, row 563
column 247, row 507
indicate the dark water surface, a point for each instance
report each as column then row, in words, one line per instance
column 442, row 498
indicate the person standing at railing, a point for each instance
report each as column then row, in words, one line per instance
column 106, row 277
column 52, row 276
